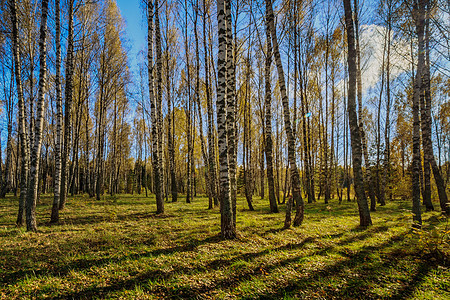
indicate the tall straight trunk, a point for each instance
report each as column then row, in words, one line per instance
column 426, row 119
column 7, row 182
column 383, row 68
column 307, row 167
column 295, row 177
column 231, row 107
column 100, row 146
column 188, row 110
column 345, row 137
column 325, row 132
column 87, row 158
column 248, row 180
column 57, row 188
column 21, row 103
column 387, row 139
column 261, row 166
column 426, row 129
column 68, row 108
column 426, row 191
column 262, row 139
column 18, row 173
column 112, row 189
column 173, row 186
column 355, row 133
column 159, row 117
column 369, row 182
column 228, row 229
column 246, row 145
column 419, row 16
column 170, row 120
column 277, row 155
column 33, row 183
column 199, row 108
column 159, row 120
column 268, row 122
column 211, row 146
column 154, row 119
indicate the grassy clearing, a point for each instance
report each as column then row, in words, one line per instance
column 118, row 248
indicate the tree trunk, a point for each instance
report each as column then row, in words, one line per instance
column 211, row 146
column 367, row 175
column 68, row 108
column 268, row 122
column 21, row 103
column 170, row 133
column 387, row 140
column 33, row 184
column 153, row 107
column 7, row 182
column 295, row 177
column 427, row 122
column 228, row 230
column 57, row 187
column 355, row 133
column 419, row 18
column 159, row 118
column 231, row 107
column 199, row 108
column 247, row 145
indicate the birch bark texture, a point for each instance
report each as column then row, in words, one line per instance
column 57, row 187
column 268, row 122
column 21, row 103
column 68, row 109
column 33, row 183
column 355, row 133
column 153, row 114
column 228, row 229
column 295, row 177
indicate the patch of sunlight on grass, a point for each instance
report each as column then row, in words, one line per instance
column 119, row 248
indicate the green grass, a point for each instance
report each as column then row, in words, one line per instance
column 118, row 248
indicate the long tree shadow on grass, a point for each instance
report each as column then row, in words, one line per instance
column 365, row 274
column 233, row 280
column 188, row 246
column 85, row 264
column 356, row 288
column 155, row 275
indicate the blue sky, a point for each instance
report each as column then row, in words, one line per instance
column 136, row 30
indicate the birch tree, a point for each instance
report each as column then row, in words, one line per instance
column 228, row 229
column 154, row 127
column 57, row 186
column 295, row 177
column 355, row 133
column 21, row 103
column 32, row 191
column 268, row 121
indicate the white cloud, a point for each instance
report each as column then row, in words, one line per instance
column 372, row 44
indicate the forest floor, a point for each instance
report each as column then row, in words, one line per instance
column 118, row 248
